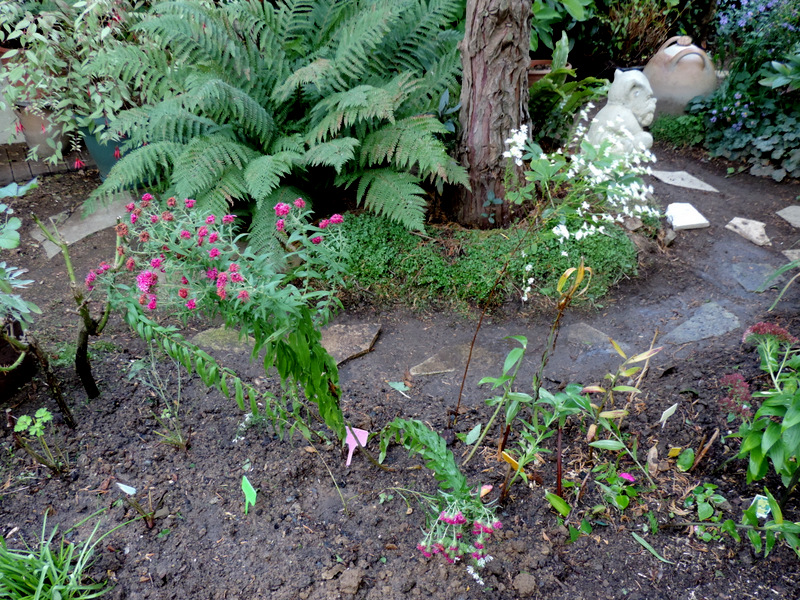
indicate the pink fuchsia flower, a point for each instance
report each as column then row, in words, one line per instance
column 280, row 224
column 213, row 237
column 757, row 332
column 183, row 292
column 243, row 296
column 228, row 219
column 117, row 153
column 281, row 209
column 300, row 203
column 171, row 202
column 211, row 219
column 185, row 234
column 146, row 280
column 151, row 305
column 627, row 477
column 213, row 253
column 146, row 197
column 191, row 304
column 78, row 164
column 130, row 207
column 189, row 202
column 154, row 218
column 336, row 219
column 324, row 223
column 316, row 240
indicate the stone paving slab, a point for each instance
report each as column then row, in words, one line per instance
column 754, row 231
column 792, row 255
column 683, row 215
column 751, row 276
column 344, row 342
column 791, row 214
column 683, row 179
column 710, row 320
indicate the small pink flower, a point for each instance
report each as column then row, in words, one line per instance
column 151, row 305
column 189, row 202
column 222, row 279
column 627, row 477
column 91, row 276
column 756, row 332
column 497, row 525
column 134, row 218
column 221, row 292
column 103, row 267
column 211, row 219
column 211, row 273
column 336, row 219
column 233, row 268
column 280, row 224
column 146, row 197
column 167, row 216
column 213, row 253
column 117, row 153
column 130, row 264
column 281, row 209
column 202, row 232
column 156, row 263
column 228, row 219
column 191, row 304
column 324, row 223
column 243, row 296
column 130, row 207
column 184, row 281
column 146, row 280
column 171, row 202
column 183, row 292
column 154, row 218
column 300, row 203
column 237, row 277
column 78, row 164
column 185, row 234
column 316, row 240
column 18, row 127
column 213, row 237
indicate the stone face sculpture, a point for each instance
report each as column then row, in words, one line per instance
column 630, row 108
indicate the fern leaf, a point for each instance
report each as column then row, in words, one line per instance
column 335, row 153
column 203, row 162
column 397, row 196
column 147, row 164
column 314, row 72
column 263, row 175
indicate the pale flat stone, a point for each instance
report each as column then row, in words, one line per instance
column 344, row 342
column 791, row 214
column 753, row 231
column 78, row 226
column 710, row 320
column 449, row 359
column 751, row 276
column 683, row 215
column 585, row 335
column 683, row 179
column 792, row 255
column 224, row 340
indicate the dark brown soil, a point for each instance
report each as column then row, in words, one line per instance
column 307, row 538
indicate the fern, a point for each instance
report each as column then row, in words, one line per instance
column 393, row 194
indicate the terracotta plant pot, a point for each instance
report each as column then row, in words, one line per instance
column 11, row 381
column 538, row 68
column 37, row 128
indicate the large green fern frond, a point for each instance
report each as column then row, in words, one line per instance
column 263, row 175
column 344, row 109
column 395, row 195
column 335, row 153
column 204, row 160
column 167, row 120
column 217, row 198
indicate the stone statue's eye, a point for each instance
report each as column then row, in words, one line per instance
column 636, row 93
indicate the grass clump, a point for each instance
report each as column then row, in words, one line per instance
column 461, row 266
column 679, row 131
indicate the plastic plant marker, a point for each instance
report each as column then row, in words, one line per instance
column 355, row 437
column 131, row 491
column 249, row 493
column 762, row 506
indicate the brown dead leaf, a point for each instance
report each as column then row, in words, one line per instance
column 310, row 449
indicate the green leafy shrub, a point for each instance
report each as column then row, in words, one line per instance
column 744, row 119
column 463, row 266
column 679, row 130
column 294, row 98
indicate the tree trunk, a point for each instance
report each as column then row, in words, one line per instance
column 494, row 100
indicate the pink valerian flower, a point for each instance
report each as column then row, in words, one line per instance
column 237, row 277
column 130, row 264
column 213, row 237
column 336, row 219
column 213, row 253
column 146, row 280
column 191, row 304
column 757, row 332
column 154, row 218
column 134, row 218
column 316, row 240
column 211, row 219
column 130, row 207
column 280, row 224
column 211, row 273
column 738, row 400
column 281, row 209
column 183, row 292
column 78, row 164
column 189, row 202
column 243, row 295
column 156, row 263
column 171, row 202
column 324, row 223
column 117, row 153
column 91, row 276
column 228, row 219
column 185, row 235
column 300, row 203
column 627, row 477
column 147, row 196
column 151, row 304
column 184, row 281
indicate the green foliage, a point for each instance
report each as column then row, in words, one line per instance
column 556, row 14
column 36, row 427
column 297, row 94
column 679, row 130
column 12, row 306
column 53, row 570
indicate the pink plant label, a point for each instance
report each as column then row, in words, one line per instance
column 353, row 439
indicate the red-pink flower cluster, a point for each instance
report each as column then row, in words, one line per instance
column 738, row 400
column 755, row 333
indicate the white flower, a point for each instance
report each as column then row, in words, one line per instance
column 564, row 253
column 561, row 231
column 528, row 268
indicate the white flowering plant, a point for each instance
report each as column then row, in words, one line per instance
column 582, row 194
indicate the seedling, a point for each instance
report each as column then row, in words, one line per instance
column 54, row 459
column 250, row 493
column 149, row 514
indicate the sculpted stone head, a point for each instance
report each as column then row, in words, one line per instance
column 632, row 89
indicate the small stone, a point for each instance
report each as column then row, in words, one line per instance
column 749, row 229
column 350, row 580
column 525, row 584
